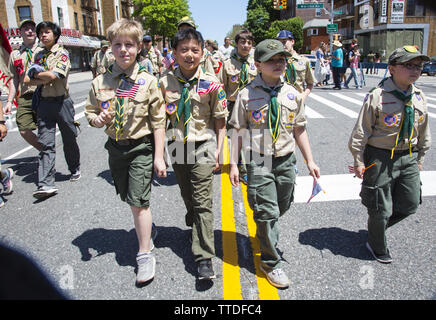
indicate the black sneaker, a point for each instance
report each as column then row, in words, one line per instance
column 383, row 258
column 205, row 270
column 75, row 176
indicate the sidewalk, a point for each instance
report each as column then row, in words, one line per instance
column 80, row 76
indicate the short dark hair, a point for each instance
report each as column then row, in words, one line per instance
column 244, row 34
column 188, row 34
column 53, row 26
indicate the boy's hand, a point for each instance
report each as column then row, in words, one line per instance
column 160, row 167
column 313, row 169
column 8, row 108
column 3, row 131
column 420, row 167
column 359, row 171
column 103, row 118
column 234, row 175
column 218, row 165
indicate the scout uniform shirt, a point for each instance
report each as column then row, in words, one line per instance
column 56, row 60
column 380, row 120
column 208, row 63
column 251, row 113
column 19, row 63
column 299, row 72
column 102, row 60
column 232, row 74
column 143, row 104
column 155, row 58
column 207, row 100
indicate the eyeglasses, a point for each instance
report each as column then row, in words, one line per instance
column 412, row 66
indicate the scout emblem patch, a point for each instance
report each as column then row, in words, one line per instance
column 257, row 116
column 221, row 95
column 141, row 82
column 127, row 89
column 291, row 117
column 418, row 96
column 170, row 108
column 390, row 120
column 234, row 78
column 105, row 105
column 291, row 96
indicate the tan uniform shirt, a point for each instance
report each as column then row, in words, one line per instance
column 304, row 72
column 56, row 60
column 251, row 112
column 208, row 63
column 205, row 108
column 143, row 110
column 231, row 75
column 102, row 60
column 155, row 58
column 379, row 122
column 19, row 58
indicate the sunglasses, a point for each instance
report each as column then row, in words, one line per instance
column 412, row 66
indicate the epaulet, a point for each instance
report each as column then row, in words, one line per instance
column 109, row 70
column 141, row 68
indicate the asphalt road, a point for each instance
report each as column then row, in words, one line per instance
column 85, row 240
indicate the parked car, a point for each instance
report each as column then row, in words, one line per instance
column 311, row 58
column 430, row 68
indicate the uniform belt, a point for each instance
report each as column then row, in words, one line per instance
column 398, row 152
column 58, row 98
column 132, row 142
column 27, row 95
column 258, row 154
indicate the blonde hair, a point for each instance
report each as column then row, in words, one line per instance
column 130, row 28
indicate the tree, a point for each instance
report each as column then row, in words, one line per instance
column 295, row 25
column 160, row 17
column 260, row 14
column 235, row 29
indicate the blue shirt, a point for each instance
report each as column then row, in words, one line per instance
column 338, row 54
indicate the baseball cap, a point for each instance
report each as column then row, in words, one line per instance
column 104, row 43
column 147, row 38
column 26, row 21
column 406, row 53
column 187, row 20
column 337, row 44
column 285, row 34
column 266, row 49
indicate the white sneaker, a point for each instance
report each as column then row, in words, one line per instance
column 276, row 277
column 146, row 267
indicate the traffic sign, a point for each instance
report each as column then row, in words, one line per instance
column 332, row 28
column 310, row 6
column 337, row 11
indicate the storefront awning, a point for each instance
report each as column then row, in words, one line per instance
column 73, row 42
column 92, row 41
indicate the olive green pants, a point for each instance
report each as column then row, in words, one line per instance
column 270, row 193
column 391, row 190
column 195, row 179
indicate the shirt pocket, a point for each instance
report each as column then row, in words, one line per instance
column 257, row 115
column 138, row 105
column 106, row 100
column 288, row 115
column 171, row 102
column 389, row 122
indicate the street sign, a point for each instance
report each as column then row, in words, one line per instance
column 332, row 28
column 310, row 6
column 337, row 11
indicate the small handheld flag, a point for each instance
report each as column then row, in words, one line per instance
column 315, row 189
column 204, row 86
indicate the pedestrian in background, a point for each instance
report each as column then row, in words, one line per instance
column 353, row 57
column 388, row 144
column 336, row 64
column 128, row 101
column 227, row 48
column 6, row 175
column 370, row 62
column 274, row 129
column 321, row 64
column 55, row 107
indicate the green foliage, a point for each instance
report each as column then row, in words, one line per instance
column 295, row 25
column 160, row 17
column 232, row 33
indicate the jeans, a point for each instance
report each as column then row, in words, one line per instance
column 354, row 75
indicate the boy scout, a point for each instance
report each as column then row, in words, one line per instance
column 196, row 108
column 127, row 100
column 102, row 59
column 390, row 139
column 298, row 70
column 55, row 107
column 20, row 62
column 272, row 112
column 148, row 51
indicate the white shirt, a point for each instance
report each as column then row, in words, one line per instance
column 226, row 51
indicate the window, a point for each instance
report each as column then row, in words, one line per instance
column 76, row 20
column 85, row 27
column 60, row 17
column 318, row 12
column 415, row 8
column 312, row 32
column 24, row 13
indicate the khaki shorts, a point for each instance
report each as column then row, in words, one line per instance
column 26, row 116
column 132, row 170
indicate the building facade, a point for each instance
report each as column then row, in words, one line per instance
column 83, row 22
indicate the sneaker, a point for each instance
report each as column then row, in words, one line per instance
column 346, row 86
column 205, row 270
column 383, row 258
column 44, row 192
column 2, row 202
column 75, row 176
column 243, row 179
column 146, row 267
column 276, row 277
column 7, row 181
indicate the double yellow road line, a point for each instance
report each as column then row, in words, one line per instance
column 231, row 273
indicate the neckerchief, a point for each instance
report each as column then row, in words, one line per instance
column 184, row 106
column 243, row 75
column 274, row 114
column 291, row 73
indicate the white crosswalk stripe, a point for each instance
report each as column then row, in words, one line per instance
column 347, row 98
column 334, row 105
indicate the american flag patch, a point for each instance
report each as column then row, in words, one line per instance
column 204, row 86
column 127, row 89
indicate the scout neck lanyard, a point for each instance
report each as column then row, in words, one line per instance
column 274, row 117
column 243, row 75
column 28, row 57
column 406, row 121
column 184, row 106
column 291, row 73
column 119, row 111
